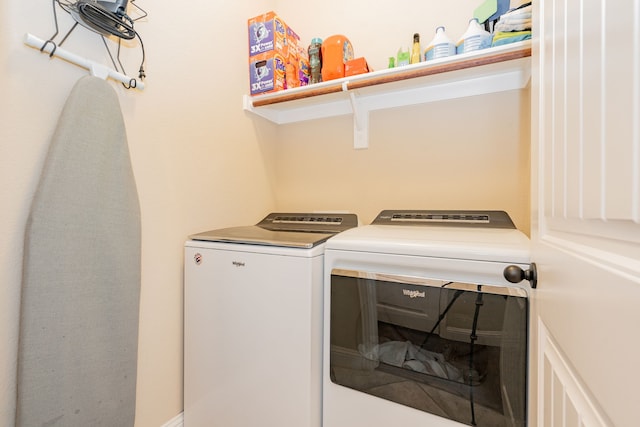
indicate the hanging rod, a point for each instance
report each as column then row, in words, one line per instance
column 96, row 69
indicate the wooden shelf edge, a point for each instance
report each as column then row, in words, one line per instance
column 441, row 68
column 393, row 75
column 310, row 92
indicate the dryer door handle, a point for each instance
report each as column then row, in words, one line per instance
column 515, row 274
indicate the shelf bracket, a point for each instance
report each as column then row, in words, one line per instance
column 497, row 69
column 360, row 123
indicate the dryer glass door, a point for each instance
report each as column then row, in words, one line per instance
column 457, row 350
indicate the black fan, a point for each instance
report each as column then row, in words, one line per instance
column 104, row 17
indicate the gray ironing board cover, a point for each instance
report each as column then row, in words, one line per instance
column 78, row 340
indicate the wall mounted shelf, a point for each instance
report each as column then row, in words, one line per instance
column 491, row 70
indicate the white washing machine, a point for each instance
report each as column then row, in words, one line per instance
column 423, row 325
column 253, row 322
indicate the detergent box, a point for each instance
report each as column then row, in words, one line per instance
column 356, row 66
column 277, row 59
column 267, row 73
column 292, row 43
column 304, row 72
column 267, row 33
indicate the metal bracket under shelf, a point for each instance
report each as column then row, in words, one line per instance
column 341, row 99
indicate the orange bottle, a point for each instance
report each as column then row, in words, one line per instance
column 336, row 50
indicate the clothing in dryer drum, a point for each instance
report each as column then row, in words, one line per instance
column 462, row 345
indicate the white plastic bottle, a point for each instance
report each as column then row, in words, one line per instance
column 440, row 47
column 475, row 38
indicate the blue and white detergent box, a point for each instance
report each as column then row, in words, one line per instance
column 277, row 59
column 267, row 73
column 267, row 33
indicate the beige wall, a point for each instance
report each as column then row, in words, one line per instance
column 197, row 160
column 460, row 154
column 469, row 153
column 201, row 162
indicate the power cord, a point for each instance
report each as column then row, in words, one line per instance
column 472, row 340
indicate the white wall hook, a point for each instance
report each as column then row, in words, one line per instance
column 96, row 69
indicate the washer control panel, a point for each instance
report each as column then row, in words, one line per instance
column 309, row 222
column 488, row 219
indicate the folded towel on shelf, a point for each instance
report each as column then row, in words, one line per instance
column 523, row 25
column 513, row 25
column 518, row 19
column 518, row 13
column 502, row 38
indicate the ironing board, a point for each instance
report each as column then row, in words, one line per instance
column 77, row 354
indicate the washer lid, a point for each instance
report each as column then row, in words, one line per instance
column 465, row 235
column 296, row 230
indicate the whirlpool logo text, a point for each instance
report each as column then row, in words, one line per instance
column 413, row 294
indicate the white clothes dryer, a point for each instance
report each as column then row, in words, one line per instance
column 253, row 322
column 423, row 327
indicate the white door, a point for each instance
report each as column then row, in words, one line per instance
column 586, row 213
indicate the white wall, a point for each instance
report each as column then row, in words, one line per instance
column 197, row 159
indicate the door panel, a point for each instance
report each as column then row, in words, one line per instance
column 586, row 213
column 566, row 403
